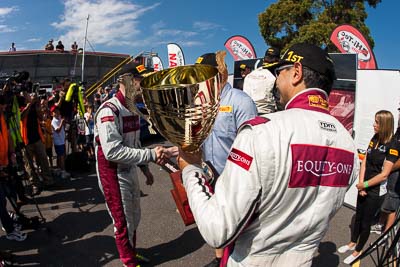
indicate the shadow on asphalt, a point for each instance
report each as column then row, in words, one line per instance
column 327, row 256
column 83, row 191
column 57, row 253
column 65, row 240
column 180, row 247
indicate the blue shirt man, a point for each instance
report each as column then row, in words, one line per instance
column 236, row 107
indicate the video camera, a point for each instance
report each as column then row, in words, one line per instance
column 16, row 82
column 40, row 92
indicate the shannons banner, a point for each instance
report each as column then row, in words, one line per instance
column 175, row 55
column 349, row 40
column 240, row 48
column 157, row 63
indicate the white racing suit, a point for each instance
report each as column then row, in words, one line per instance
column 285, row 178
column 118, row 152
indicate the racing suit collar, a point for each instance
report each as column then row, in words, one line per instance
column 121, row 98
column 310, row 99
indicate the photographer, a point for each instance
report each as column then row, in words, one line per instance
column 34, row 140
column 6, row 151
column 13, row 119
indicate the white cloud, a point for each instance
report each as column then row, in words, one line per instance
column 205, row 26
column 34, row 40
column 191, row 43
column 6, row 28
column 173, row 33
column 4, row 11
column 120, row 23
column 158, row 25
column 111, row 22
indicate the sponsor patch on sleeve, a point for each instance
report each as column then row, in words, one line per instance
column 107, row 118
column 394, row 152
column 371, row 144
column 225, row 109
column 240, row 158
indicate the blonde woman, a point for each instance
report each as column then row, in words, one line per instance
column 381, row 154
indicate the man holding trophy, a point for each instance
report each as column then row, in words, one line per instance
column 118, row 153
column 286, row 175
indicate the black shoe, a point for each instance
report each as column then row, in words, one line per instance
column 214, row 263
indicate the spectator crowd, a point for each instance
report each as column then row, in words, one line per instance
column 38, row 131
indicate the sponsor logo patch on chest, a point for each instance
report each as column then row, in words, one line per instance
column 240, row 158
column 320, row 166
column 327, row 126
column 130, row 123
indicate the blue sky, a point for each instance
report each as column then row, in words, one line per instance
column 131, row 26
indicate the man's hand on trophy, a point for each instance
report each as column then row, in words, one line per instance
column 186, row 158
column 163, row 153
column 160, row 155
column 172, row 151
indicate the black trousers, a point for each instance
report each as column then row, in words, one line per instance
column 367, row 208
column 5, row 218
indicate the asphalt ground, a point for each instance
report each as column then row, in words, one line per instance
column 78, row 229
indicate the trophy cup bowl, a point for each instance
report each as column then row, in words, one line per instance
column 183, row 102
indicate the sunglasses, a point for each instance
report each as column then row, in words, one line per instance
column 278, row 70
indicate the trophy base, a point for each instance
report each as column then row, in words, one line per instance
column 180, row 198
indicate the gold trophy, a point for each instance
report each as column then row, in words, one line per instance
column 183, row 102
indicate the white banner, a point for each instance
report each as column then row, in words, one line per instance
column 175, row 55
column 157, row 63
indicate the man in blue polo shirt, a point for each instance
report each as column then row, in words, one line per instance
column 236, row 107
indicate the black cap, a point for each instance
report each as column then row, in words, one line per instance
column 207, row 59
column 310, row 56
column 273, row 52
column 134, row 68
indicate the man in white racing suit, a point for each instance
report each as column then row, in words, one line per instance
column 286, row 175
column 118, row 152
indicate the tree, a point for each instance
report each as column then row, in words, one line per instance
column 288, row 22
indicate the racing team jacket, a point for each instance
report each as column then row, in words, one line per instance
column 286, row 176
column 118, row 152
